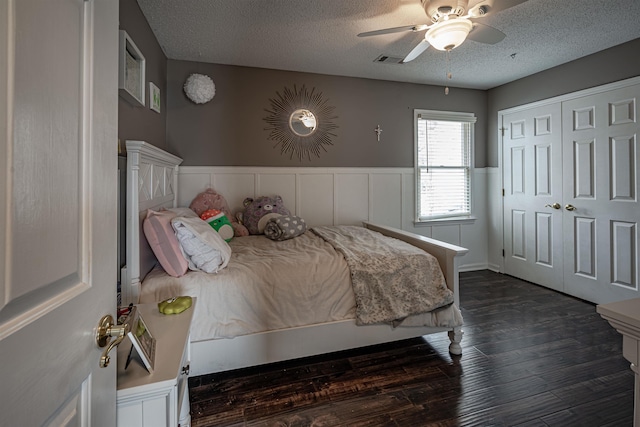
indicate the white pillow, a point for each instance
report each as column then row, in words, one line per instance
column 201, row 245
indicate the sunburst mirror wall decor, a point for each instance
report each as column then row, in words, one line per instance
column 301, row 122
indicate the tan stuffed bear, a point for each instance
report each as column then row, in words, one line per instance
column 209, row 199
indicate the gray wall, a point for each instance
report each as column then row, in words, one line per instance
column 230, row 130
column 137, row 122
column 610, row 65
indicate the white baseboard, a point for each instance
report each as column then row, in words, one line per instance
column 494, row 267
column 473, row 267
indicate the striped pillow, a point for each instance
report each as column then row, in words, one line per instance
column 164, row 243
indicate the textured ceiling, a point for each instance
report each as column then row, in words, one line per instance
column 320, row 36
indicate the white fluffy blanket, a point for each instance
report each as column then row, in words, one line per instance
column 391, row 279
column 201, row 245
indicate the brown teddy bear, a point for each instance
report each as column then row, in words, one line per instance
column 209, row 199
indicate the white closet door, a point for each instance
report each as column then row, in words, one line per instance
column 601, row 181
column 532, row 176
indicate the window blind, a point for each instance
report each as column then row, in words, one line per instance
column 443, row 164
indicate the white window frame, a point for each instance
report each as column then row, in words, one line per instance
column 469, row 118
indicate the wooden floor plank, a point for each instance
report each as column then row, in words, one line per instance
column 532, row 357
column 606, row 410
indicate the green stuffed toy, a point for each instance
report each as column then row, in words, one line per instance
column 175, row 305
column 219, row 221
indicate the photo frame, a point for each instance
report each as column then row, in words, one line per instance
column 154, row 97
column 131, row 71
column 142, row 340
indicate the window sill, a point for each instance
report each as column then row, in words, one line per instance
column 446, row 221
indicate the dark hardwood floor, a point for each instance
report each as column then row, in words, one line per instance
column 531, row 357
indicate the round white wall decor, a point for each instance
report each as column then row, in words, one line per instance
column 199, row 88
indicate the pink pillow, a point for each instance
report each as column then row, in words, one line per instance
column 164, row 243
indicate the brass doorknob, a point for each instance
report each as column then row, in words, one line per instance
column 106, row 330
column 556, row 205
column 570, row 207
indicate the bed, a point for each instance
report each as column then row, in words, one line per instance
column 152, row 176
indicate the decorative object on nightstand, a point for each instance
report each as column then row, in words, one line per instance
column 175, row 305
column 141, row 340
column 199, row 88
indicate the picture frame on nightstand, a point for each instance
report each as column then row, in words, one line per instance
column 141, row 340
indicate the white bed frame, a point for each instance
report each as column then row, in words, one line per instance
column 152, row 184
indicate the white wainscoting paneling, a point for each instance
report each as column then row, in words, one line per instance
column 330, row 196
column 494, row 220
column 386, row 198
column 352, row 195
column 315, row 198
column 475, row 236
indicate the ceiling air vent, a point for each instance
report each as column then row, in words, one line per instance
column 386, row 59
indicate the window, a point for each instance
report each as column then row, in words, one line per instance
column 443, row 164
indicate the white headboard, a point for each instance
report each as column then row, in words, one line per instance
column 152, row 182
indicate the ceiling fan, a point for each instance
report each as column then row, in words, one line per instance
column 453, row 21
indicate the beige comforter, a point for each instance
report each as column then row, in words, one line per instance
column 267, row 285
column 391, row 279
column 270, row 285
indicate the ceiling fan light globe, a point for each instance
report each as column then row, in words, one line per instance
column 448, row 35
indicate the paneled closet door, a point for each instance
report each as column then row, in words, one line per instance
column 532, row 177
column 600, row 208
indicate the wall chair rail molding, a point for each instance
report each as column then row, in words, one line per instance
column 301, row 122
column 131, row 71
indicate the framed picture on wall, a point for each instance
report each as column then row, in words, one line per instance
column 131, row 71
column 154, row 97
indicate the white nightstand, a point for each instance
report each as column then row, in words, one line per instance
column 160, row 398
column 624, row 316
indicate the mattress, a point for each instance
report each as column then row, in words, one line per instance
column 270, row 285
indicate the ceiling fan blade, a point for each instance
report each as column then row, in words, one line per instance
column 419, row 27
column 492, row 6
column 485, row 34
column 416, row 51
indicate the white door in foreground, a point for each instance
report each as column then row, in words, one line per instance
column 58, row 123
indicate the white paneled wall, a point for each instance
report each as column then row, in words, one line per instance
column 328, row 196
column 494, row 219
